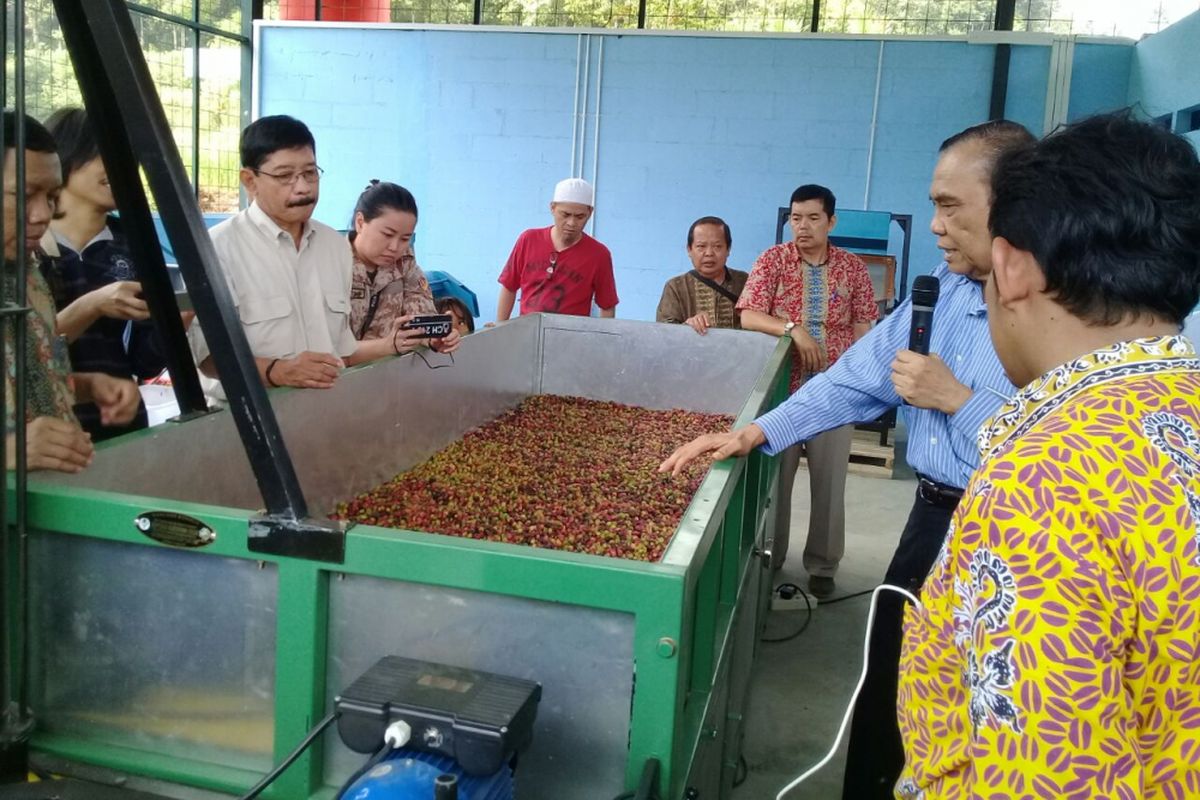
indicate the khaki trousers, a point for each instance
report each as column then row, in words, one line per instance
column 828, row 457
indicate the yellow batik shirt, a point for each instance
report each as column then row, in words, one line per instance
column 1056, row 653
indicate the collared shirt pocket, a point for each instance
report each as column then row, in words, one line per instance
column 337, row 310
column 266, row 321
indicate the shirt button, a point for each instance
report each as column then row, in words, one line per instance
column 958, row 357
column 933, row 440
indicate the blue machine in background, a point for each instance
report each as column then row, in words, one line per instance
column 409, row 774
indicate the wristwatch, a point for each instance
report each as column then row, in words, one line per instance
column 787, row 328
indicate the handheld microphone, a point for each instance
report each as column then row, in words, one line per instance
column 924, row 297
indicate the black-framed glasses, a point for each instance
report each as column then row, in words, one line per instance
column 311, row 175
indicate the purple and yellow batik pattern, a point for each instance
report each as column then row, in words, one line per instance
column 1057, row 650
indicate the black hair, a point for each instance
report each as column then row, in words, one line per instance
column 1109, row 208
column 380, row 196
column 267, row 135
column 37, row 138
column 811, row 191
column 710, row 221
column 77, row 145
column 996, row 137
column 444, row 304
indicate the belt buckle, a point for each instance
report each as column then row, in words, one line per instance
column 932, row 493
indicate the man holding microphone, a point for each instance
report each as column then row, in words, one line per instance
column 951, row 393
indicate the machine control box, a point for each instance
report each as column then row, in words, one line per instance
column 477, row 718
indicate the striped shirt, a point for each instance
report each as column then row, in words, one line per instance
column 1191, row 328
column 859, row 386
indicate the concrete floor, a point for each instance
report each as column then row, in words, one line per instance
column 801, row 688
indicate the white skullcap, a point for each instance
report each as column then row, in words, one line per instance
column 574, row 190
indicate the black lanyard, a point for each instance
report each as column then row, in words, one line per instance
column 716, row 287
column 372, row 307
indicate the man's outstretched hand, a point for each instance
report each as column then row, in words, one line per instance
column 721, row 445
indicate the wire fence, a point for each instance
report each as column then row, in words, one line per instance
column 891, row 17
column 210, row 147
column 202, row 92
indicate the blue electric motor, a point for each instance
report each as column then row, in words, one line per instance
column 408, row 774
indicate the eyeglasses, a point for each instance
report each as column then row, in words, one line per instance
column 311, row 175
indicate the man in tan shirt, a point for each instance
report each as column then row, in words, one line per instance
column 288, row 273
column 705, row 297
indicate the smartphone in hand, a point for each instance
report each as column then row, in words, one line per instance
column 432, row 326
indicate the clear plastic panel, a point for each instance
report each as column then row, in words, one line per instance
column 583, row 658
column 155, row 649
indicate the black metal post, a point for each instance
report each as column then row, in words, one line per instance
column 1005, row 16
column 815, row 24
column 477, row 16
column 106, row 53
column 16, row 722
column 642, row 14
column 905, row 221
column 122, row 167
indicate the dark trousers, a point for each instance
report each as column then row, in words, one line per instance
column 875, row 756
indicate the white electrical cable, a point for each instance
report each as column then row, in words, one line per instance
column 398, row 734
column 837, row 742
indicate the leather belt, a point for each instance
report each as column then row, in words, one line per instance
column 938, row 494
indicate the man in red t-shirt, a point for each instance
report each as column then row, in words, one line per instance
column 820, row 296
column 560, row 269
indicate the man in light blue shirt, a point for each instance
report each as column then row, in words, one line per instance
column 950, row 393
column 1191, row 327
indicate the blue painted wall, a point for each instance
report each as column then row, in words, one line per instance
column 1099, row 79
column 1165, row 73
column 479, row 124
column 1028, row 69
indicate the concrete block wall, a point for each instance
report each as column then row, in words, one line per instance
column 480, row 124
column 1164, row 75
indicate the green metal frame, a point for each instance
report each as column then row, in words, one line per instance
column 683, row 614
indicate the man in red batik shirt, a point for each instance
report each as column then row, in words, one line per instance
column 820, row 296
column 560, row 269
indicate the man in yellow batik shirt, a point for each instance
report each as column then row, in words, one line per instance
column 1056, row 653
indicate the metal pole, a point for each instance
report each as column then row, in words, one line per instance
column 20, row 345
column 815, row 26
column 12, row 758
column 116, row 82
column 15, row 720
column 121, row 166
column 1005, row 15
column 196, row 103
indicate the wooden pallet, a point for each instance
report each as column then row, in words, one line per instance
column 867, row 457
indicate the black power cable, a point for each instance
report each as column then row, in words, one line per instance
column 741, row 773
column 271, row 776
column 807, row 619
column 863, row 593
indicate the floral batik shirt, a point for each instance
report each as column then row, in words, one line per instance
column 48, row 393
column 826, row 300
column 1056, row 653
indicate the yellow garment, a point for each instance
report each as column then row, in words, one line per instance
column 1057, row 650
